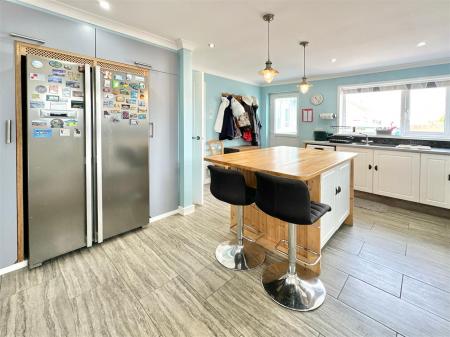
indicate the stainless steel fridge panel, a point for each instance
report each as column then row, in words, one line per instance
column 56, row 153
column 122, row 140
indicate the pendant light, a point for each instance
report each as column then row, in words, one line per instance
column 268, row 72
column 304, row 84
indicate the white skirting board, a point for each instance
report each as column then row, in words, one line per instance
column 186, row 210
column 13, row 267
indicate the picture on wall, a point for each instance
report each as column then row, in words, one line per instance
column 307, row 115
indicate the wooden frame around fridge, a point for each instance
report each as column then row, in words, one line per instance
column 23, row 49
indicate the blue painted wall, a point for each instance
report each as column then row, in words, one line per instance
column 328, row 88
column 214, row 86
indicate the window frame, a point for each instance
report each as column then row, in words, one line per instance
column 405, row 114
column 272, row 99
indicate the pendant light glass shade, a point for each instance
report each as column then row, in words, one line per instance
column 268, row 72
column 304, row 85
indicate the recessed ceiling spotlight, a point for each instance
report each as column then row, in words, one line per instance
column 105, row 5
column 333, row 60
column 421, row 44
column 211, row 45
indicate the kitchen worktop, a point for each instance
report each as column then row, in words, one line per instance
column 387, row 147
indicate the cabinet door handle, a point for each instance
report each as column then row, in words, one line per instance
column 8, row 132
column 376, row 167
column 370, row 166
column 339, row 189
column 336, row 191
column 449, row 177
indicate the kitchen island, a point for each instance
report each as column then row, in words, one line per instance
column 329, row 176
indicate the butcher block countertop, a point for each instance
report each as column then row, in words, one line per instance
column 284, row 161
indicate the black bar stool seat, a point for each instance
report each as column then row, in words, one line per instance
column 289, row 200
column 229, row 186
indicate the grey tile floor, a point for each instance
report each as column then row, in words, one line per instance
column 388, row 275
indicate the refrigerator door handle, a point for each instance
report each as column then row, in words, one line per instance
column 8, row 132
column 152, row 130
column 98, row 152
column 88, row 151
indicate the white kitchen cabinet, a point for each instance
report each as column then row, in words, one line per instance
column 363, row 168
column 335, row 192
column 397, row 174
column 435, row 180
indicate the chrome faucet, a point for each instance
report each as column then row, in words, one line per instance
column 367, row 138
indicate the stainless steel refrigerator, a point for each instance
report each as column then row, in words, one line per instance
column 86, row 153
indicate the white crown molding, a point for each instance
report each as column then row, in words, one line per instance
column 365, row 71
column 59, row 8
column 185, row 44
column 226, row 76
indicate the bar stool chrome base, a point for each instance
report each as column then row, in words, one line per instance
column 237, row 257
column 301, row 291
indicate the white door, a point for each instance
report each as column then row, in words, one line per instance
column 363, row 164
column 435, row 180
column 397, row 174
column 284, row 120
column 343, row 192
column 327, row 196
column 198, row 136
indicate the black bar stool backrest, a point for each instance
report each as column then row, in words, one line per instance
column 283, row 198
column 229, row 186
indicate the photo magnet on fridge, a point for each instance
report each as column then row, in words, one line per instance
column 39, row 123
column 36, row 97
column 142, row 116
column 129, row 77
column 125, row 115
column 77, row 104
column 58, row 72
column 56, row 123
column 42, row 89
column 124, row 92
column 120, row 99
column 53, row 89
column 55, row 64
column 115, row 84
column 52, row 98
column 36, row 64
column 118, row 77
column 134, row 122
column 134, row 86
column 77, row 133
column 64, row 132
column 37, row 104
column 54, row 79
column 41, row 133
column 107, row 83
column 139, row 78
column 134, row 94
column 125, row 106
column 77, row 94
column 66, row 92
column 73, row 84
column 67, row 67
column 107, row 75
column 71, row 122
column 37, row 77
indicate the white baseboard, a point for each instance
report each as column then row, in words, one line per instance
column 164, row 215
column 186, row 210
column 13, row 267
column 207, row 181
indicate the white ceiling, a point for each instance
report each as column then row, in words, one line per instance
column 361, row 34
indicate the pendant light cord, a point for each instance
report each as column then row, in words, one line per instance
column 268, row 40
column 304, row 61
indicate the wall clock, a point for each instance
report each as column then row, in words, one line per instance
column 316, row 99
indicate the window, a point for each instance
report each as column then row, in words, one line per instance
column 284, row 109
column 413, row 108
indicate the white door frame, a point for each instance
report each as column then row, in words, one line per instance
column 198, row 107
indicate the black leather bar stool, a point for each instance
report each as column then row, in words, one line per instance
column 289, row 200
column 229, row 186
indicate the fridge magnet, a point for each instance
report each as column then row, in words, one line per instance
column 129, row 77
column 142, row 116
column 116, row 91
column 115, row 84
column 56, row 123
column 67, row 67
column 133, row 116
column 66, row 92
column 142, row 85
column 120, row 99
column 37, row 104
column 72, row 76
column 134, row 86
column 54, row 79
column 73, row 84
column 307, row 115
column 42, row 89
column 41, row 133
column 58, row 105
column 77, row 133
column 125, row 106
column 39, row 123
column 55, row 64
column 77, row 104
column 141, row 103
column 106, row 113
column 134, row 94
column 134, row 122
column 52, row 98
column 133, row 108
column 35, row 96
column 107, row 75
column 59, row 72
column 131, row 101
column 125, row 115
column 139, row 78
column 36, row 64
column 71, row 122
column 106, row 89
column 107, row 83
column 108, row 103
column 124, row 92
column 64, row 132
column 124, row 85
column 53, row 89
column 115, row 118
column 141, row 96
column 37, row 77
column 81, row 69
column 142, row 110
column 77, row 94
column 109, row 96
column 118, row 77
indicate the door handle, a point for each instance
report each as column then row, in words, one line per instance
column 152, row 130
column 376, row 167
column 8, row 131
column 196, row 138
column 370, row 166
